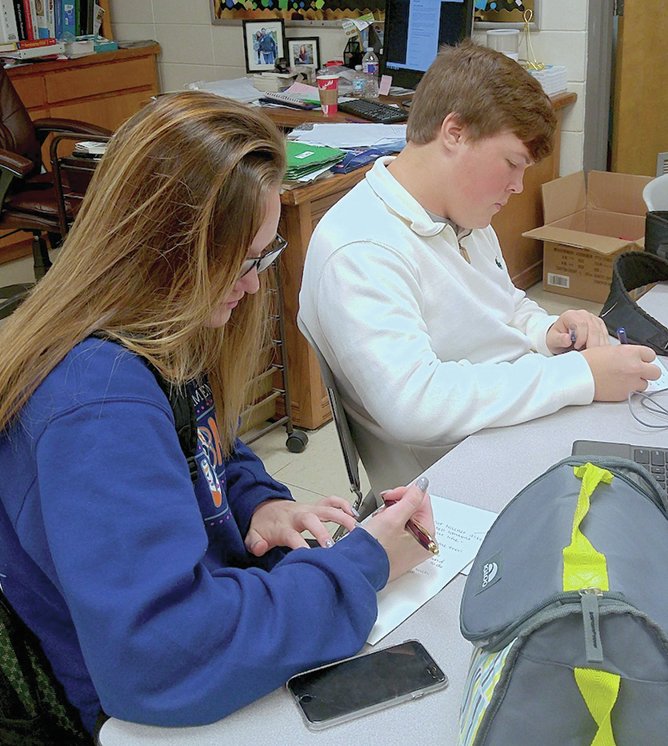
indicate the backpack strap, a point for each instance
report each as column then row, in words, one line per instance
column 185, row 420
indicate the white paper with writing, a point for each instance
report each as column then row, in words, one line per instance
column 460, row 530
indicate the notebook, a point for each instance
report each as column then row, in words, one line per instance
column 655, row 460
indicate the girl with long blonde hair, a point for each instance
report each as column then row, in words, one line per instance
column 156, row 599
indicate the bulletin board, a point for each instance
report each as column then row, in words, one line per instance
column 223, row 11
column 505, row 13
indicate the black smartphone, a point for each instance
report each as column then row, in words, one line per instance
column 353, row 687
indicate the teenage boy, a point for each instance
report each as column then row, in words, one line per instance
column 406, row 293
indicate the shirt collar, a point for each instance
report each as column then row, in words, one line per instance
column 397, row 199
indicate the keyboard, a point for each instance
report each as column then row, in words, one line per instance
column 374, row 111
column 654, row 460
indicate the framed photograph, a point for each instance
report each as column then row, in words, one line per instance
column 304, row 52
column 264, row 43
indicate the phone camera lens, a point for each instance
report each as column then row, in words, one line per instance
column 305, row 698
column 432, row 671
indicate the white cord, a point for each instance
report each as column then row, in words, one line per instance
column 650, row 403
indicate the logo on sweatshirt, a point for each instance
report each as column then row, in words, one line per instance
column 498, row 262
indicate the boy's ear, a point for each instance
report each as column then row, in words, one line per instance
column 452, row 131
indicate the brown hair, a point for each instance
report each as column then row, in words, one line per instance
column 165, row 226
column 489, row 92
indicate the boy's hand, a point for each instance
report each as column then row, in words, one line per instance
column 576, row 330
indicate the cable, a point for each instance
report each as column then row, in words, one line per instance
column 650, row 403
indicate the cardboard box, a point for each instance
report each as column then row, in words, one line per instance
column 586, row 227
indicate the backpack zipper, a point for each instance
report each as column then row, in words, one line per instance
column 589, row 600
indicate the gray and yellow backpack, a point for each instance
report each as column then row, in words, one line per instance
column 567, row 608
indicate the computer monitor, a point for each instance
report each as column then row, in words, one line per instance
column 414, row 31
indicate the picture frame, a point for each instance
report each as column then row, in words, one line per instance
column 304, row 52
column 264, row 43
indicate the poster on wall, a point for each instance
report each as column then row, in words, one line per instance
column 223, row 11
column 505, row 13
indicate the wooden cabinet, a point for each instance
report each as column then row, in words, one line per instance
column 103, row 89
column 303, row 208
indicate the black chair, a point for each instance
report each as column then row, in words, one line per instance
column 28, row 199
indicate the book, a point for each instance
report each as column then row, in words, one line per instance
column 19, row 15
column 7, row 46
column 48, row 50
column 98, row 17
column 8, row 28
column 69, row 19
column 40, row 20
column 86, row 16
column 28, row 16
column 58, row 19
column 34, row 43
column 51, row 18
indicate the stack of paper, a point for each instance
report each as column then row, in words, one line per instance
column 553, row 78
column 304, row 158
column 357, row 135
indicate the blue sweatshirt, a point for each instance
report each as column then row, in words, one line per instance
column 137, row 583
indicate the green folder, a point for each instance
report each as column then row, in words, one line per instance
column 304, row 158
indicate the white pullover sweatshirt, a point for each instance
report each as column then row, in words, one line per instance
column 426, row 348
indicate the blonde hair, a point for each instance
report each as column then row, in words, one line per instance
column 489, row 92
column 165, row 226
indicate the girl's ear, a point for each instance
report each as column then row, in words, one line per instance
column 452, row 131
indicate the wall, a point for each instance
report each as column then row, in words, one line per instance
column 194, row 49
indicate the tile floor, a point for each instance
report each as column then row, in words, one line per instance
column 319, row 470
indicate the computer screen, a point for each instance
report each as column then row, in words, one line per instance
column 414, row 31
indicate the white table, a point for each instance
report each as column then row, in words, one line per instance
column 486, row 470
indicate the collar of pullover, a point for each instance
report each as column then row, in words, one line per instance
column 401, row 202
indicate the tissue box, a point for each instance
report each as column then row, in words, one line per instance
column 586, row 227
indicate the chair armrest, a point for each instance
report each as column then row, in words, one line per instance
column 16, row 164
column 44, row 127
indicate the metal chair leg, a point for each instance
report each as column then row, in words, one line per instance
column 40, row 253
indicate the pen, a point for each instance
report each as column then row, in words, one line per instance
column 574, row 335
column 421, row 535
column 621, row 336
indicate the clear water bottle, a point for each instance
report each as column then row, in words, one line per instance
column 359, row 83
column 370, row 68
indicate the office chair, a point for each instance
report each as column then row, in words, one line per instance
column 655, row 193
column 28, row 201
column 364, row 504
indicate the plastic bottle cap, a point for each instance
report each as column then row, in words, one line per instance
column 369, row 49
column 358, row 67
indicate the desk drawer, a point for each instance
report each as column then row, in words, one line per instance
column 31, row 90
column 97, row 79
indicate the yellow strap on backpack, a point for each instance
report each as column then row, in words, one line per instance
column 584, row 566
column 599, row 689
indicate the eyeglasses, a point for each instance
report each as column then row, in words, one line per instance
column 266, row 258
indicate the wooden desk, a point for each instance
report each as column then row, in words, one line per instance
column 303, row 208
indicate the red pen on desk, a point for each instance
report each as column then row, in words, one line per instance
column 414, row 528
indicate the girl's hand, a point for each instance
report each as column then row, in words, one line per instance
column 388, row 527
column 279, row 523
